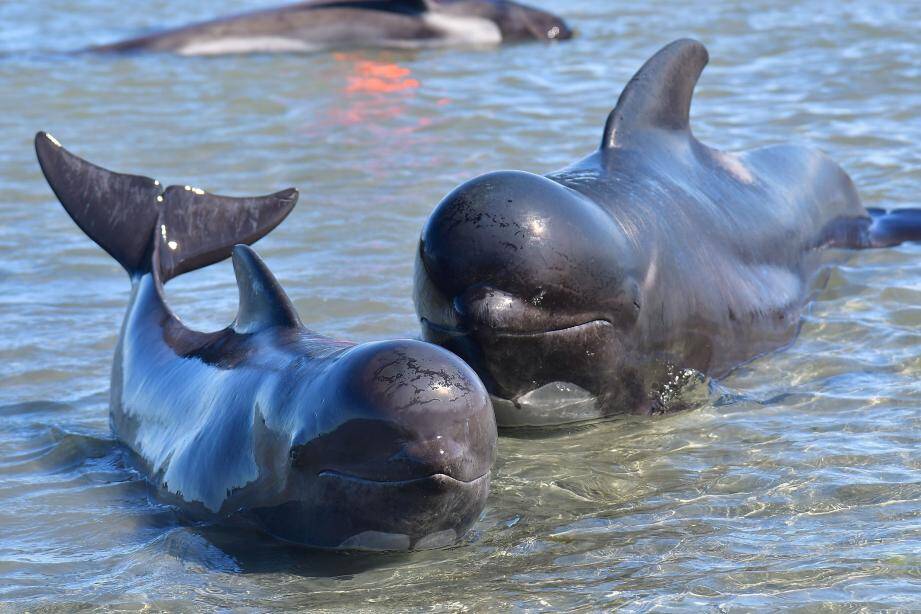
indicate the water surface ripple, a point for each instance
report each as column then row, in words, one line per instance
column 798, row 483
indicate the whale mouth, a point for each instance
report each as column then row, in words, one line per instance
column 538, row 378
column 361, row 513
column 509, row 332
column 443, row 509
column 575, row 329
column 441, row 479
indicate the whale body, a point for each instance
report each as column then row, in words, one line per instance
column 599, row 288
column 321, row 442
column 339, row 24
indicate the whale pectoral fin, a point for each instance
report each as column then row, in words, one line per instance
column 198, row 228
column 890, row 228
column 659, row 94
column 115, row 210
column 263, row 302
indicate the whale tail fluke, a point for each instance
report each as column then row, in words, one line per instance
column 145, row 227
column 894, row 227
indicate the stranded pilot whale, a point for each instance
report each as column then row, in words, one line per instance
column 336, row 24
column 594, row 289
column 325, row 443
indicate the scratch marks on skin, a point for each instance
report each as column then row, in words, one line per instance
column 406, row 371
column 469, row 213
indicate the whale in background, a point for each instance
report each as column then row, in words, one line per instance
column 382, row 446
column 593, row 290
column 339, row 24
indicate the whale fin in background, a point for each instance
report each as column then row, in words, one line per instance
column 134, row 219
column 890, row 228
column 395, row 6
column 263, row 302
column 659, row 94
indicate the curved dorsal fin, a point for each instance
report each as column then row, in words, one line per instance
column 263, row 302
column 395, row 6
column 659, row 94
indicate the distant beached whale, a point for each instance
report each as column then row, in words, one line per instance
column 592, row 290
column 384, row 446
column 337, row 24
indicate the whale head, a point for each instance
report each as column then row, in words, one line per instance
column 535, row 286
column 516, row 22
column 392, row 449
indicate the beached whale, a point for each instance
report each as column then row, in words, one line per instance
column 592, row 290
column 325, row 443
column 338, row 24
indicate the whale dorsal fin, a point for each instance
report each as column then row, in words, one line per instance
column 659, row 94
column 263, row 302
column 395, row 6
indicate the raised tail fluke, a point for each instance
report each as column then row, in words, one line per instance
column 894, row 227
column 197, row 228
column 143, row 226
column 116, row 211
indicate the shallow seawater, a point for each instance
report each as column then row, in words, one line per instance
column 798, row 481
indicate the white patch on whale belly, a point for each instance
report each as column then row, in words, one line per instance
column 465, row 30
column 245, row 44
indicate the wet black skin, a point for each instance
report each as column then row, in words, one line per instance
column 517, row 22
column 653, row 255
column 324, row 443
column 365, row 23
column 321, row 440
